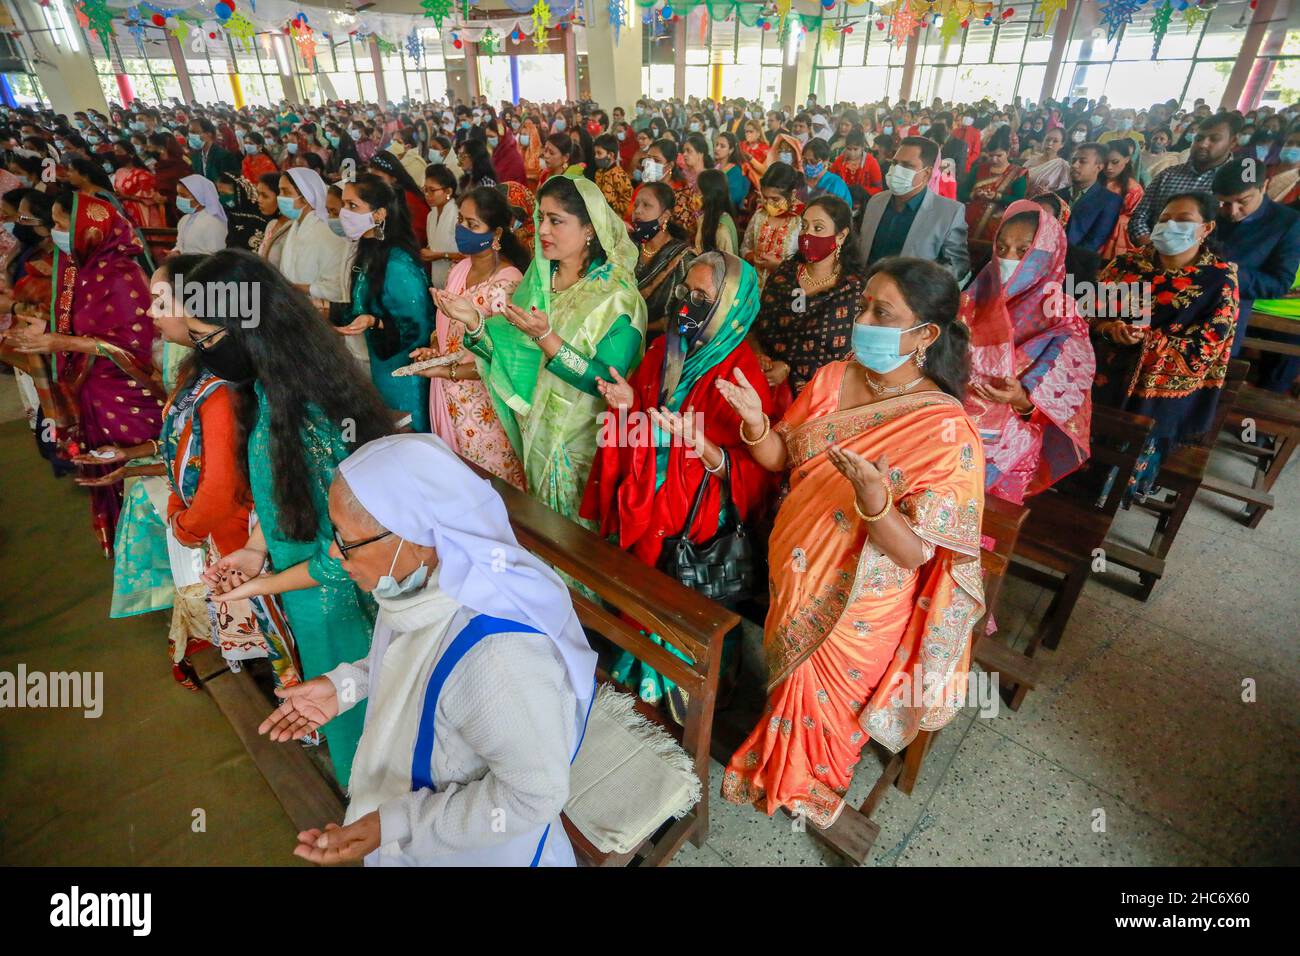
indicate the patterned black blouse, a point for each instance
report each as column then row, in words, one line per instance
column 806, row 331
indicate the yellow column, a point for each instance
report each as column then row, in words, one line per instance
column 237, row 91
column 715, row 84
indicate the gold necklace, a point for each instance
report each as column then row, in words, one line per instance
column 815, row 285
column 879, row 389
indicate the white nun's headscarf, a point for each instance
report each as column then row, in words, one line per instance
column 419, row 489
column 312, row 188
column 205, row 194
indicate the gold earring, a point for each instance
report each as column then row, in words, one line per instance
column 920, row 358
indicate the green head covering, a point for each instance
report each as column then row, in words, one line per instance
column 517, row 359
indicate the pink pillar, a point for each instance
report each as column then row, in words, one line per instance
column 124, row 87
column 570, row 64
column 1262, row 71
column 471, row 69
column 679, row 57
column 377, row 64
column 1060, row 36
column 909, row 67
column 1250, row 43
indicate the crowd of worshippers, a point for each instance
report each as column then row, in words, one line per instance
column 843, row 326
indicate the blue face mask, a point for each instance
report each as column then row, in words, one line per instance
column 1290, row 154
column 292, row 148
column 333, row 141
column 336, row 227
column 287, row 208
column 877, row 346
column 469, row 242
column 186, row 206
column 62, row 240
column 195, row 141
column 1173, row 238
column 389, row 587
column 814, row 170
column 558, row 125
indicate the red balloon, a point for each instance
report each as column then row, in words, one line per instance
column 457, row 44
column 766, row 25
column 158, row 19
column 848, row 29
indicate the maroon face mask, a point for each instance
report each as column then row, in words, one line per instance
column 816, row 248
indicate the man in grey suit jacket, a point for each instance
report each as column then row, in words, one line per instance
column 911, row 220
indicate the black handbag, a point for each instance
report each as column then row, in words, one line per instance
column 722, row 569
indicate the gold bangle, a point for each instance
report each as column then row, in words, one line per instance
column 889, row 503
column 451, row 372
column 767, row 428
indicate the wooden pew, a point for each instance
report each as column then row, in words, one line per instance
column 1067, row 526
column 691, row 623
column 161, row 241
column 1270, row 414
column 1183, row 474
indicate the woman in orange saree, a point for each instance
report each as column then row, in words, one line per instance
column 874, row 557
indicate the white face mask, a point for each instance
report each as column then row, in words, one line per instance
column 356, row 224
column 651, row 171
column 900, row 180
column 389, row 587
column 1007, row 268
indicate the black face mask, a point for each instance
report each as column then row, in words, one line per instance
column 691, row 318
column 227, row 359
column 27, row 235
column 643, row 232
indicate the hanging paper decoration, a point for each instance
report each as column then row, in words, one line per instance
column 783, row 15
column 903, row 23
column 386, row 47
column 830, row 36
column 489, row 44
column 241, row 28
column 414, row 48
column 94, row 15
column 437, row 10
column 302, row 36
column 1160, row 26
column 1192, row 16
column 1050, row 9
column 1116, row 14
column 541, row 23
column 136, row 27
column 617, row 16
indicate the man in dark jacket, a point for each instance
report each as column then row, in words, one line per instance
column 1094, row 209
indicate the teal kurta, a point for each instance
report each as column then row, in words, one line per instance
column 331, row 623
column 406, row 302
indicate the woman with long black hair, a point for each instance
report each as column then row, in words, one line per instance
column 414, row 209
column 342, row 149
column 390, row 293
column 717, row 231
column 472, row 154
column 303, row 404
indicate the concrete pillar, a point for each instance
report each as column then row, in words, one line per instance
column 909, row 67
column 797, row 77
column 570, row 64
column 471, row 69
column 68, row 77
column 1060, row 37
column 679, row 57
column 614, row 69
column 1250, row 43
column 377, row 64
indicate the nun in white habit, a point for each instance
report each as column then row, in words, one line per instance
column 313, row 257
column 202, row 228
column 479, row 679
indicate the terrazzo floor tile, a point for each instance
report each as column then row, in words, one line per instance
column 1002, row 805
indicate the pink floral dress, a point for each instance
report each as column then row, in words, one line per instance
column 461, row 413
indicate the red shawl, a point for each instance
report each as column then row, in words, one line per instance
column 621, row 495
column 507, row 159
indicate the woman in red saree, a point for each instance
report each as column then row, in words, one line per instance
column 990, row 186
column 1032, row 363
column 101, row 345
column 650, row 460
column 874, row 557
column 137, row 187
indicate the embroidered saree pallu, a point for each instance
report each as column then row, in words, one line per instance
column 856, row 646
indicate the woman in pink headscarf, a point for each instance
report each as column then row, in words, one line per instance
column 101, row 344
column 507, row 159
column 1032, row 363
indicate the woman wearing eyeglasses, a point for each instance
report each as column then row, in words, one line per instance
column 304, row 404
column 642, row 485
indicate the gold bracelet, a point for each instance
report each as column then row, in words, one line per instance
column 451, row 372
column 889, row 503
column 767, row 427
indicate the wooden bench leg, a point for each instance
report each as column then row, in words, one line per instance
column 1059, row 614
column 913, row 756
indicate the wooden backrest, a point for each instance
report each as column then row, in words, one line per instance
column 161, row 241
column 1116, row 442
column 689, row 622
column 1232, row 385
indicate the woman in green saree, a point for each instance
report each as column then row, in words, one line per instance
column 576, row 316
column 304, row 404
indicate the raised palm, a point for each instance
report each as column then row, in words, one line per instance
column 305, row 709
